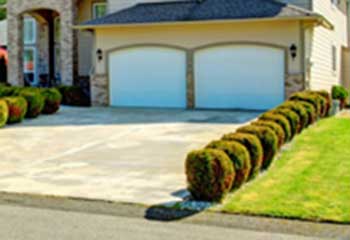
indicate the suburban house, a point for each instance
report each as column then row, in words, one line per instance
column 221, row 54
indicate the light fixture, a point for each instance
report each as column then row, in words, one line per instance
column 293, row 51
column 99, row 54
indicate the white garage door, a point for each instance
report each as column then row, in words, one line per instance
column 239, row 77
column 148, row 77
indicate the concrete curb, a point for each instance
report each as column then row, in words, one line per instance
column 273, row 225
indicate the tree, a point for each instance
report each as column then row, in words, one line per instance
column 2, row 11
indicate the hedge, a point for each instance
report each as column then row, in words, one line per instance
column 328, row 97
column 281, row 120
column 269, row 141
column 240, row 158
column 53, row 100
column 210, row 174
column 310, row 98
column 73, row 96
column 299, row 109
column 18, row 107
column 254, row 146
column 293, row 118
column 278, row 130
column 310, row 109
column 340, row 93
column 4, row 112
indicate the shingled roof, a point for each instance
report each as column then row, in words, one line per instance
column 200, row 10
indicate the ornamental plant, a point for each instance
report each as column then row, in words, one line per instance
column 240, row 158
column 253, row 145
column 281, row 120
column 269, row 141
column 34, row 99
column 292, row 117
column 53, row 100
column 310, row 98
column 278, row 130
column 18, row 107
column 299, row 109
column 4, row 112
column 340, row 93
column 210, row 174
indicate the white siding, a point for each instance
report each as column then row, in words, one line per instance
column 3, row 33
column 322, row 74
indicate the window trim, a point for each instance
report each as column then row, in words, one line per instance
column 334, row 58
column 96, row 4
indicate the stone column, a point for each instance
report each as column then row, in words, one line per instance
column 67, row 47
column 15, row 49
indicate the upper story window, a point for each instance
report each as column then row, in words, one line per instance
column 99, row 9
column 334, row 58
column 29, row 31
column 335, row 2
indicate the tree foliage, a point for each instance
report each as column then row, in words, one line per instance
column 2, row 11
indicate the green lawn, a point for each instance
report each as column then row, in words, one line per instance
column 311, row 180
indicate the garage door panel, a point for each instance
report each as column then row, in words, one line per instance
column 240, row 76
column 148, row 77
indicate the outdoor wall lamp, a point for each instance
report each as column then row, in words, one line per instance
column 99, row 54
column 293, row 51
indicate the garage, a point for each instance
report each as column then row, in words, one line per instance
column 239, row 77
column 147, row 76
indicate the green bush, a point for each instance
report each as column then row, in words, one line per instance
column 293, row 118
column 268, row 139
column 74, row 96
column 253, row 144
column 8, row 91
column 310, row 109
column 281, row 120
column 275, row 127
column 4, row 112
column 299, row 109
column 327, row 96
column 34, row 99
column 210, row 174
column 17, row 109
column 240, row 158
column 340, row 93
column 53, row 100
column 310, row 98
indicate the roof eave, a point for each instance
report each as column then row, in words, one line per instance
column 317, row 19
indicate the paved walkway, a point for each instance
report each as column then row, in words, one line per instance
column 112, row 154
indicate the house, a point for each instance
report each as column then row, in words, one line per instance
column 220, row 54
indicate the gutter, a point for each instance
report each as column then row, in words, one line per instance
column 318, row 20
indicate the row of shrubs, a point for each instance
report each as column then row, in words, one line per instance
column 226, row 164
column 17, row 103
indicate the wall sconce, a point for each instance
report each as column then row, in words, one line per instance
column 293, row 51
column 99, row 54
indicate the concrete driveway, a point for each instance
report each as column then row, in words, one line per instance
column 125, row 155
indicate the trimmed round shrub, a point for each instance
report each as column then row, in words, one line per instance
column 240, row 158
column 281, row 120
column 7, row 91
column 210, row 174
column 35, row 101
column 340, row 93
column 275, row 127
column 53, row 100
column 268, row 139
column 292, row 117
column 74, row 96
column 328, row 99
column 310, row 98
column 310, row 109
column 18, row 107
column 4, row 112
column 253, row 144
column 299, row 109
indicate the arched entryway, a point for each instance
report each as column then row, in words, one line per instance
column 50, row 58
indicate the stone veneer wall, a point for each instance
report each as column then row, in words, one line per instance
column 68, row 12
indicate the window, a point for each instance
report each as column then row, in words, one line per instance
column 99, row 9
column 29, row 31
column 334, row 58
column 335, row 2
column 29, row 65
